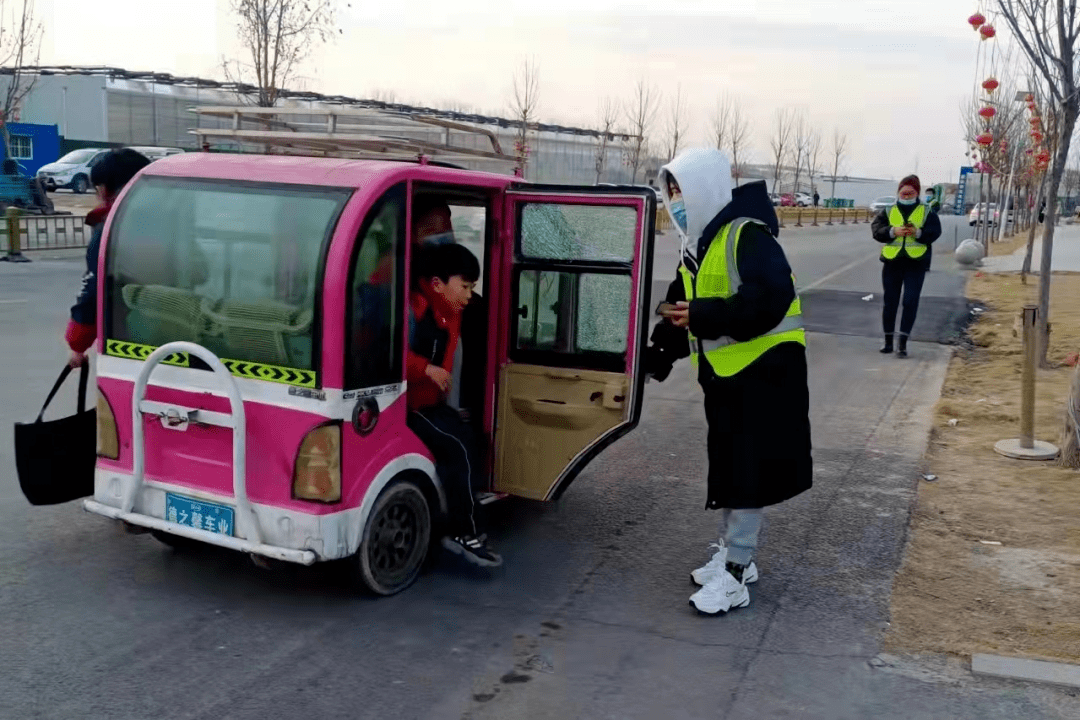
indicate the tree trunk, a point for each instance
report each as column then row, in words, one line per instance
column 1071, row 110
column 1070, row 435
column 1032, row 227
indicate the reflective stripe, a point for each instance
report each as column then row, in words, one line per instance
column 789, row 323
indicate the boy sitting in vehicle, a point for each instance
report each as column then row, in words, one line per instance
column 445, row 276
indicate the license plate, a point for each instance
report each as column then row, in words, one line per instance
column 199, row 514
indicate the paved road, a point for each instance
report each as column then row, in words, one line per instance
column 589, row 617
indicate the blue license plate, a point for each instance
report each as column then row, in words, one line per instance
column 199, row 514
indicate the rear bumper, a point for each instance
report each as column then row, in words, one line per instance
column 303, row 557
column 284, row 534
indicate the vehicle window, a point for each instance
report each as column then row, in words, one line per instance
column 572, row 312
column 578, row 232
column 376, row 290
column 78, row 157
column 573, row 284
column 231, row 267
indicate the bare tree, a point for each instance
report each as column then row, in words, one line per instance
column 523, row 104
column 1048, row 32
column 384, row 96
column 677, row 123
column 721, row 121
column 640, row 114
column 781, row 141
column 608, row 116
column 278, row 35
column 20, row 47
column 738, row 138
column 839, row 154
column 800, row 138
column 813, row 157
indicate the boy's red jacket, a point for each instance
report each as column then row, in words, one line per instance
column 433, row 338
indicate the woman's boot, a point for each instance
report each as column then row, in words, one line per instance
column 901, row 346
column 888, row 344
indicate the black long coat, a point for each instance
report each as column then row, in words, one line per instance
column 759, row 419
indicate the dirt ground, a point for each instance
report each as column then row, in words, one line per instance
column 993, row 557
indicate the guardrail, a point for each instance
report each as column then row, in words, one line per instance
column 48, row 232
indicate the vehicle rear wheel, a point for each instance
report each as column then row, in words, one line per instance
column 80, row 185
column 395, row 540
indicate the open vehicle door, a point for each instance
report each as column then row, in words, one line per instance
column 580, row 282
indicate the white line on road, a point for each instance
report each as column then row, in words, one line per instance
column 11, row 302
column 839, row 271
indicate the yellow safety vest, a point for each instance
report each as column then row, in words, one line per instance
column 910, row 245
column 718, row 277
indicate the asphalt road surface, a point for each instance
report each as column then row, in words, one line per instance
column 589, row 616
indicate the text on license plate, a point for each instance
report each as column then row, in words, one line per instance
column 199, row 514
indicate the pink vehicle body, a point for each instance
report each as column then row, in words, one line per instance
column 224, row 435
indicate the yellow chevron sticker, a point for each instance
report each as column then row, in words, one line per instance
column 240, row 368
column 271, row 373
column 135, row 351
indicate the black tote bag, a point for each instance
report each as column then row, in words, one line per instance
column 55, row 459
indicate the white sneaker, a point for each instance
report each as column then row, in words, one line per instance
column 708, row 571
column 723, row 593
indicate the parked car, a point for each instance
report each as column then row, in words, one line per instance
column 775, row 197
column 983, row 212
column 71, row 171
column 156, row 153
column 802, row 199
column 883, row 203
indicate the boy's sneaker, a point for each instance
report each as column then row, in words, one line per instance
column 723, row 593
column 718, row 563
column 472, row 548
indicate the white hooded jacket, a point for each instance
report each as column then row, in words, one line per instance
column 704, row 178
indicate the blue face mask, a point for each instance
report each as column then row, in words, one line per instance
column 678, row 211
column 902, row 201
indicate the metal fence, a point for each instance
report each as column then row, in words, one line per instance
column 49, row 232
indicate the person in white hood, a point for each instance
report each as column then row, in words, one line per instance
column 734, row 309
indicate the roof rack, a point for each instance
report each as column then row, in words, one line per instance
column 351, row 133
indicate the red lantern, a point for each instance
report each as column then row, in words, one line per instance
column 976, row 21
column 1043, row 158
column 985, row 139
column 1029, row 98
column 1035, row 121
column 988, row 112
column 990, row 85
column 987, row 32
column 1036, row 136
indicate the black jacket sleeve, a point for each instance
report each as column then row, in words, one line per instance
column 761, row 302
column 669, row 343
column 931, row 229
column 882, row 229
column 84, row 311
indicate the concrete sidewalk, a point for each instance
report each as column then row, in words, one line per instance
column 1066, row 253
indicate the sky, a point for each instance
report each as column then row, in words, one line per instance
column 891, row 74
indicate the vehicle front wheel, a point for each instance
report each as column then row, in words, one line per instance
column 395, row 540
column 80, row 185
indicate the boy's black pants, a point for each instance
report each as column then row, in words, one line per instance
column 453, row 443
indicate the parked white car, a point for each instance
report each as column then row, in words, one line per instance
column 71, row 171
column 883, row 203
column 802, row 199
column 983, row 212
column 156, row 153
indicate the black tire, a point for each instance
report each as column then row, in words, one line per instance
column 395, row 541
column 80, row 184
column 176, row 542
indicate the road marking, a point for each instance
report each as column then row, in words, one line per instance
column 839, row 271
column 12, row 302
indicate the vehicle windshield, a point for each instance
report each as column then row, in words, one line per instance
column 79, row 157
column 234, row 268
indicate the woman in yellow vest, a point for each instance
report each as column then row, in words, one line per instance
column 734, row 310
column 907, row 230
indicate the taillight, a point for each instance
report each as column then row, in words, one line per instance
column 317, row 473
column 108, row 441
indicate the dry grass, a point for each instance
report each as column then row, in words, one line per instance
column 955, row 594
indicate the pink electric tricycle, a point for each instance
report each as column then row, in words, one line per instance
column 252, row 334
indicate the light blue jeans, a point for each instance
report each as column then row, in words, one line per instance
column 739, row 530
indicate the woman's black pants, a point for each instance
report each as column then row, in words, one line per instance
column 901, row 279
